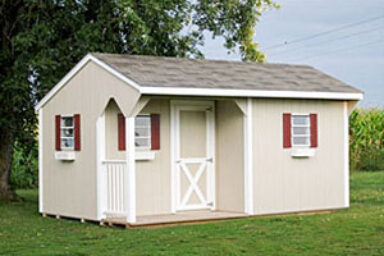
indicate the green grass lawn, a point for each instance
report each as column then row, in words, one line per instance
column 357, row 231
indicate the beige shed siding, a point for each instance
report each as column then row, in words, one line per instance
column 229, row 157
column 70, row 187
column 153, row 178
column 285, row 184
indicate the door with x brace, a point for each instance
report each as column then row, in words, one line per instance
column 194, row 156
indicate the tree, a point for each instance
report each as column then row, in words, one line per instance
column 42, row 39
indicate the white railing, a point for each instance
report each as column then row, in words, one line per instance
column 114, row 171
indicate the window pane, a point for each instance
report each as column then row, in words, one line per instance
column 142, row 121
column 300, row 141
column 67, row 143
column 67, row 132
column 142, row 132
column 300, row 120
column 67, row 121
column 142, row 143
column 300, row 130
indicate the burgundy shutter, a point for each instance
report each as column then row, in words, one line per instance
column 57, row 133
column 77, row 125
column 286, row 130
column 313, row 125
column 121, row 131
column 155, row 131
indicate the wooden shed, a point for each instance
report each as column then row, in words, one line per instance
column 144, row 140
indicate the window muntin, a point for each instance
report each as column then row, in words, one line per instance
column 300, row 130
column 67, row 134
column 143, row 131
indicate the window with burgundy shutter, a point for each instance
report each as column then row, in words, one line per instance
column 147, row 132
column 300, row 130
column 67, row 132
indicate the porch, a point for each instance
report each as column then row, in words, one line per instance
column 200, row 173
column 178, row 218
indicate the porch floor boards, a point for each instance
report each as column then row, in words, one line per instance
column 180, row 217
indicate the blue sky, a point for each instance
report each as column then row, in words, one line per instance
column 354, row 54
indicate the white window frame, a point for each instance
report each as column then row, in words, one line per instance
column 293, row 135
column 63, row 127
column 149, row 137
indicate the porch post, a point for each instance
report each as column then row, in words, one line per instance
column 130, row 175
column 101, row 172
column 248, row 158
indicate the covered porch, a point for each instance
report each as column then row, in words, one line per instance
column 201, row 172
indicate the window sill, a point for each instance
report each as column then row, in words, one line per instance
column 302, row 152
column 144, row 155
column 65, row 155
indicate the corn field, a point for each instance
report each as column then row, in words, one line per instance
column 367, row 139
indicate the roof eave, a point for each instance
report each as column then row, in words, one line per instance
column 250, row 93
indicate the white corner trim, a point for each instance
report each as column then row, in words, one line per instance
column 101, row 174
column 346, row 155
column 130, row 177
column 250, row 93
column 75, row 70
column 41, row 206
column 248, row 159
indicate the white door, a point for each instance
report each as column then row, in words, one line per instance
column 193, row 156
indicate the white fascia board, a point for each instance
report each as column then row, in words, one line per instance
column 75, row 70
column 250, row 93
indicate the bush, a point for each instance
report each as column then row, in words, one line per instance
column 366, row 139
column 24, row 168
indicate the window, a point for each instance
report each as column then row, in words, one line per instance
column 300, row 130
column 143, row 132
column 67, row 135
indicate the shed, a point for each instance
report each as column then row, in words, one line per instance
column 143, row 140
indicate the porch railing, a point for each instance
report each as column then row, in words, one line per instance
column 114, row 171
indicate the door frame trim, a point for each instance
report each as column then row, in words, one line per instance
column 174, row 134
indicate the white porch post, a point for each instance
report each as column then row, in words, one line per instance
column 248, row 158
column 101, row 172
column 130, row 174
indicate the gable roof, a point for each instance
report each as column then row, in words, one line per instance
column 151, row 71
column 181, row 76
